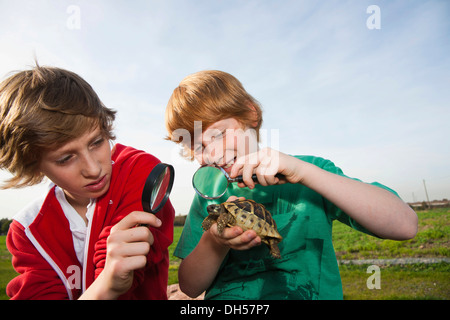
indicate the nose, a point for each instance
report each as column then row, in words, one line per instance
column 91, row 168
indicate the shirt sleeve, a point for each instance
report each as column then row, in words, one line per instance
column 192, row 230
column 334, row 212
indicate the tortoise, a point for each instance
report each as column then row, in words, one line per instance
column 249, row 215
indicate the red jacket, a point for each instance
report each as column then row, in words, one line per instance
column 41, row 244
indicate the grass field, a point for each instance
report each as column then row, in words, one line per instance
column 416, row 281
column 6, row 270
column 432, row 240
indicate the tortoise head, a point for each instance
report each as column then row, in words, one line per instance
column 214, row 209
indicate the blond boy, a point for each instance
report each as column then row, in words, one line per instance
column 305, row 201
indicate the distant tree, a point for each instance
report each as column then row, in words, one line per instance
column 4, row 225
column 179, row 221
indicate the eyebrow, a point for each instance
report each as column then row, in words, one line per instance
column 63, row 150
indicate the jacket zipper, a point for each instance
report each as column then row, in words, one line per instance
column 86, row 242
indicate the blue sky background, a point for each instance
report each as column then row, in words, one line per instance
column 375, row 102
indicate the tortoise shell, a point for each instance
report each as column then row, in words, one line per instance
column 249, row 215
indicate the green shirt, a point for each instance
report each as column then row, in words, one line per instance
column 308, row 267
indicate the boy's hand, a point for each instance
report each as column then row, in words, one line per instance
column 127, row 250
column 267, row 163
column 234, row 237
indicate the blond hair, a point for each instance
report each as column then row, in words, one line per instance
column 41, row 109
column 210, row 96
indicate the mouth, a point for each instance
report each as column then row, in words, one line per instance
column 97, row 185
column 228, row 165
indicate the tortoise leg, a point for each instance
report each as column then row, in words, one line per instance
column 274, row 250
column 208, row 222
column 224, row 220
column 221, row 223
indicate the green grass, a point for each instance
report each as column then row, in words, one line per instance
column 174, row 261
column 432, row 240
column 6, row 270
column 407, row 282
column 417, row 281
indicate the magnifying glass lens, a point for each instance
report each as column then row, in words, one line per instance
column 157, row 188
column 160, row 189
column 210, row 182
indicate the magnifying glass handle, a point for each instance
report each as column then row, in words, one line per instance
column 255, row 178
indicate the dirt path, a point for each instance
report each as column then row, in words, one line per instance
column 397, row 261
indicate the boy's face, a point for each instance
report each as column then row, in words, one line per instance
column 81, row 167
column 224, row 141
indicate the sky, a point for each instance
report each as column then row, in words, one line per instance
column 367, row 89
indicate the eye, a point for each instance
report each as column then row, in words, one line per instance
column 220, row 135
column 98, row 142
column 64, row 160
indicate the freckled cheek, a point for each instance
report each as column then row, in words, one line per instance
column 238, row 145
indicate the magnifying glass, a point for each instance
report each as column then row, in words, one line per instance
column 212, row 181
column 157, row 188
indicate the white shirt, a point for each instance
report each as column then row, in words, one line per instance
column 78, row 227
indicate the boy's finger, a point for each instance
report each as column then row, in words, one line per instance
column 245, row 241
column 247, row 176
column 229, row 233
column 134, row 249
column 137, row 218
column 138, row 234
column 233, row 198
column 238, row 165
